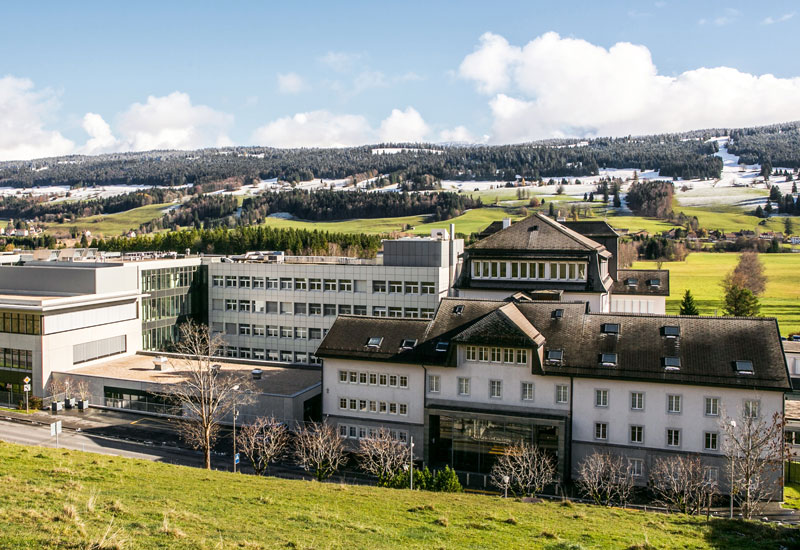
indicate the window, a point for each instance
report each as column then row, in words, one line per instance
column 272, row 284
column 244, row 353
column 458, row 310
column 345, row 285
column 285, row 284
column 314, row 334
column 300, row 284
column 244, row 282
column 395, row 311
column 345, row 309
column 412, row 287
column 258, row 330
column 670, row 331
column 522, row 356
column 527, row 391
column 637, row 434
column 427, row 288
column 426, row 313
column 442, row 346
column 328, row 309
column 601, row 398
column 382, row 407
column 637, row 401
column 258, row 354
column 674, row 404
column 315, row 309
column 330, row 285
column 396, row 286
column 434, row 382
column 217, row 280
column 354, row 432
column 272, row 307
column 751, row 409
column 230, row 305
column 743, row 367
column 359, row 310
column 608, row 359
column 636, row 466
column 286, row 308
column 508, row 355
column 373, row 379
column 557, row 314
column 301, row 332
column 496, row 355
column 258, row 282
column 610, row 328
column 710, row 441
column 392, row 380
column 496, row 389
column 286, row 332
column 353, row 404
column 216, row 304
column 711, row 474
column 402, row 408
column 342, row 403
column 315, row 284
column 555, row 355
column 362, row 405
column 378, row 286
column 600, row 430
column 245, row 305
column 272, row 330
column 392, row 408
column 671, row 363
column 673, row 437
column 300, row 308
column 408, row 343
column 230, row 282
column 463, row 386
column 373, row 406
column 471, row 353
column 375, row 341
column 382, row 379
column 483, row 354
column 403, row 381
column 562, row 393
column 712, row 406
column 343, row 376
column 379, row 311
column 244, row 330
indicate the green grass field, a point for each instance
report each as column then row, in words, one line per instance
column 702, row 273
column 112, row 225
column 67, row 499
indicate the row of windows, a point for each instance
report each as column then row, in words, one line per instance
column 165, row 307
column 325, row 285
column 20, row 323
column 541, row 271
column 497, row 355
column 260, row 354
column 317, row 309
column 16, row 358
column 373, row 379
column 167, row 278
column 270, row 331
column 159, row 338
column 362, row 432
column 379, row 407
column 527, row 389
column 674, row 405
column 636, row 467
column 673, row 436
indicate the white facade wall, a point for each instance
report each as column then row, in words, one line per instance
column 625, row 303
column 793, row 362
column 598, row 302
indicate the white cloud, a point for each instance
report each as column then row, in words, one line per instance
column 403, row 126
column 556, row 86
column 173, row 122
column 459, row 134
column 772, row 20
column 366, row 80
column 101, row 139
column 315, row 129
column 23, row 112
column 291, row 83
column 341, row 62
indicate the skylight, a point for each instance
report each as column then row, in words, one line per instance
column 458, row 310
column 375, row 342
column 743, row 367
column 671, row 331
column 655, row 283
column 442, row 346
column 608, row 359
column 555, row 355
column 558, row 313
column 631, row 281
column 610, row 328
column 671, row 363
column 408, row 343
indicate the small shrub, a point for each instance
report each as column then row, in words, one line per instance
column 442, row 522
column 548, row 534
column 422, row 508
column 567, row 504
column 564, row 545
column 446, row 481
column 512, row 520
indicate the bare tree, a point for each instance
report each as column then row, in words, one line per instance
column 754, row 447
column 264, row 442
column 206, row 395
column 319, row 449
column 82, row 390
column 57, row 386
column 749, row 273
column 681, row 483
column 383, row 456
column 606, row 478
column 627, row 254
column 527, row 468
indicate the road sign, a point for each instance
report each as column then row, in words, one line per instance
column 236, row 458
column 27, row 379
column 26, row 387
column 55, row 428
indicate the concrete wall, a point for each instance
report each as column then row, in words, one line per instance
column 58, row 279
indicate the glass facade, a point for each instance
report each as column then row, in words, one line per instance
column 177, row 294
column 20, row 323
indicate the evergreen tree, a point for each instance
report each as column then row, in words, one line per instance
column 688, row 307
column 740, row 302
column 551, row 211
column 788, row 226
column 617, row 200
column 766, row 169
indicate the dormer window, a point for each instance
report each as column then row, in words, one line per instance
column 670, row 331
column 408, row 343
column 654, row 283
column 608, row 359
column 671, row 363
column 374, row 342
column 743, row 367
column 555, row 355
column 631, row 282
column 458, row 310
column 558, row 313
column 610, row 328
column 442, row 346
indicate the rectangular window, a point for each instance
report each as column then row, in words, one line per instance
column 286, row 283
column 373, row 379
column 230, row 282
column 244, row 282
column 522, row 356
column 286, row 308
column 244, row 330
column 434, row 383
column 600, row 430
column 751, row 409
column 300, row 284
column 315, row 309
column 345, row 309
column 710, row 442
column 230, row 305
column 601, row 398
column 427, row 288
column 412, row 312
column 395, row 311
column 637, row 401
column 471, row 353
column 360, row 310
column 315, row 284
column 314, row 334
column 463, row 386
column 562, row 393
column 245, row 305
column 496, row 355
column 300, row 308
column 328, row 309
column 673, row 437
column 392, row 408
column 496, row 389
column 674, row 404
column 483, row 354
column 244, row 353
column 636, row 467
column 527, row 391
column 354, row 432
column 362, row 405
column 402, row 408
column 392, row 381
column 272, row 284
column 217, row 280
column 345, row 285
column 353, row 377
column 300, row 332
column 258, row 282
column 353, row 405
column 272, row 307
column 343, row 376
column 426, row 313
column 412, row 287
column 378, row 286
column 508, row 355
column 286, row 332
column 373, row 406
column 712, row 406
column 382, row 379
column 403, row 381
column 272, row 330
column 342, row 403
column 396, row 286
column 362, row 378
column 637, row 434
column 379, row 311
column 329, row 285
column 382, row 407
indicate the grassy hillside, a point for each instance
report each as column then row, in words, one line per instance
column 67, row 499
column 702, row 273
column 111, row 225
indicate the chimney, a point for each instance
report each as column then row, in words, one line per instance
column 506, row 223
column 256, row 374
column 452, row 231
column 159, row 363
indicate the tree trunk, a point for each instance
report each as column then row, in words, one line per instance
column 207, row 450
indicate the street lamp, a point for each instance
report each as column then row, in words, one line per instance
column 411, row 462
column 733, row 457
column 506, row 479
column 235, row 389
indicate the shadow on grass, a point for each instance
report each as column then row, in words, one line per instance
column 735, row 534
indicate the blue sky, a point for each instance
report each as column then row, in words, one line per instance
column 91, row 77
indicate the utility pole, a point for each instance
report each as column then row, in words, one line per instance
column 411, row 467
column 235, row 456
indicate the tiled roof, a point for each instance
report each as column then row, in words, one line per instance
column 643, row 278
column 791, row 347
column 593, row 228
column 707, row 346
column 349, row 336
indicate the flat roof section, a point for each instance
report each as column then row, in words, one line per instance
column 140, row 368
